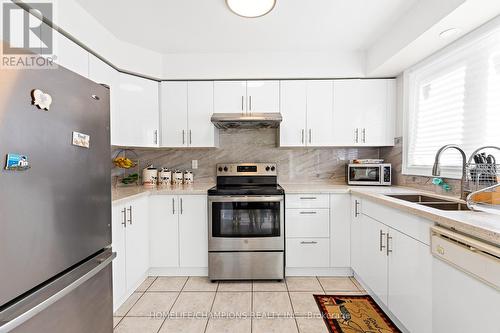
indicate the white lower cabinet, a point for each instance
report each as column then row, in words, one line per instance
column 130, row 239
column 178, row 232
column 307, row 252
column 317, row 234
column 395, row 267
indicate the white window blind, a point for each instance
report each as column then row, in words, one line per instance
column 453, row 99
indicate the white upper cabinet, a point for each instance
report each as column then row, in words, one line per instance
column 202, row 132
column 246, row 96
column 320, row 113
column 186, row 108
column 307, row 109
column 293, row 109
column 70, row 55
column 101, row 72
column 364, row 112
column 263, row 96
column 174, row 114
column 135, row 118
column 230, row 96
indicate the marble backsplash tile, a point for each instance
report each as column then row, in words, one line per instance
column 394, row 155
column 295, row 165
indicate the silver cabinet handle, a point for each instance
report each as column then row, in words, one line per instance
column 310, row 135
column 308, row 198
column 250, row 103
column 173, row 206
column 183, row 136
column 130, row 215
column 182, row 210
column 356, row 135
column 124, row 212
column 356, row 210
column 156, row 137
column 308, row 212
column 381, row 236
column 388, row 248
column 302, row 140
column 310, row 242
column 364, row 135
column 242, row 103
column 190, row 137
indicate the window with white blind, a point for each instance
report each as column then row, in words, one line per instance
column 453, row 98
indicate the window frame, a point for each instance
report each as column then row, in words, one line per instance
column 409, row 85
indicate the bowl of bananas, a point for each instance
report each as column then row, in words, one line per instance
column 124, row 162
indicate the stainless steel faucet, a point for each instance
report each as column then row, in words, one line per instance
column 436, row 169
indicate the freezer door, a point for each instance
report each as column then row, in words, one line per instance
column 79, row 301
column 58, row 212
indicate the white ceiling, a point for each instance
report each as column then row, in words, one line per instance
column 207, row 26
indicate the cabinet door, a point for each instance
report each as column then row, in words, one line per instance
column 164, row 231
column 356, row 235
column 70, row 55
column 174, row 114
column 137, row 241
column 373, row 103
column 201, row 131
column 102, row 73
column 340, row 230
column 347, row 112
column 118, row 245
column 410, row 282
column 230, row 96
column 263, row 96
column 292, row 129
column 193, row 231
column 373, row 265
column 136, row 115
column 320, row 113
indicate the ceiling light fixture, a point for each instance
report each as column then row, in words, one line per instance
column 449, row 32
column 251, row 8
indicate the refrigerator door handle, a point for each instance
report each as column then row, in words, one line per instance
column 22, row 311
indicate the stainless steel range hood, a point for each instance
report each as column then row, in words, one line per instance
column 243, row 120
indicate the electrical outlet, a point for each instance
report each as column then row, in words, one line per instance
column 194, row 164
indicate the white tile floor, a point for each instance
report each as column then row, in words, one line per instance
column 196, row 305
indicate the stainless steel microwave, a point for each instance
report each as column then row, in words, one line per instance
column 369, row 174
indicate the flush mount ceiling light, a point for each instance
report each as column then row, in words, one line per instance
column 449, row 32
column 251, row 8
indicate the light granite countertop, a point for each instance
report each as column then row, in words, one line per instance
column 481, row 225
column 477, row 224
column 125, row 193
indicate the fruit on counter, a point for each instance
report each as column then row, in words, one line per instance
column 123, row 162
column 132, row 178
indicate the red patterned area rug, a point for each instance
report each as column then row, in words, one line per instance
column 354, row 314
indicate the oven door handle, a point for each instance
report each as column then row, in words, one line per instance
column 276, row 198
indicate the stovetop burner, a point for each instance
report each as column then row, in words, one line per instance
column 247, row 179
column 247, row 190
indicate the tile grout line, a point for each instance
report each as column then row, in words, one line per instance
column 172, row 306
column 291, row 305
column 212, row 306
column 321, row 285
column 251, row 309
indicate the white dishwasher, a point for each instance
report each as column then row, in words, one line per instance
column 466, row 283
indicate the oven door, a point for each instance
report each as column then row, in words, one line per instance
column 246, row 223
column 364, row 175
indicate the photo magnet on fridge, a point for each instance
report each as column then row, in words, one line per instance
column 17, row 162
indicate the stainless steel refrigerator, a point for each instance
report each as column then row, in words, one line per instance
column 55, row 203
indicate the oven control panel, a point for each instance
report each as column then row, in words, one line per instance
column 247, row 169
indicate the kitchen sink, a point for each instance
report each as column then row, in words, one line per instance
column 432, row 202
column 445, row 205
column 417, row 198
